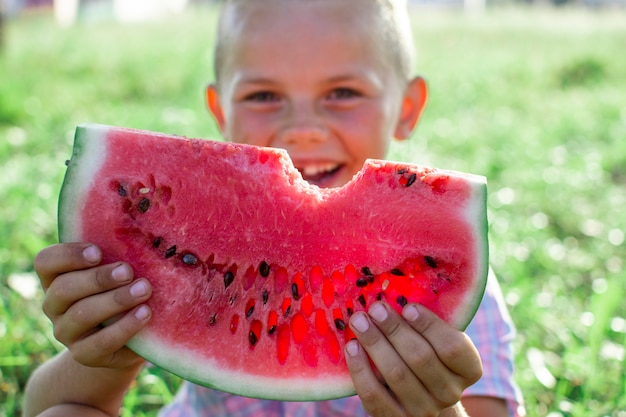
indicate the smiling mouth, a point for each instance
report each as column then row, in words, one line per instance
column 318, row 174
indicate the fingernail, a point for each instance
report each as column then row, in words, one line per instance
column 121, row 273
column 352, row 348
column 142, row 313
column 91, row 254
column 360, row 322
column 139, row 289
column 410, row 313
column 378, row 312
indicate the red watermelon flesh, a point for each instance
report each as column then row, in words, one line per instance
column 255, row 271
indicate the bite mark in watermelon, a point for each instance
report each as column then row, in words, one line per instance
column 255, row 271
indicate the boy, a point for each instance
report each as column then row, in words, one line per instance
column 330, row 81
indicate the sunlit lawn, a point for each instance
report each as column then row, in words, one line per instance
column 535, row 100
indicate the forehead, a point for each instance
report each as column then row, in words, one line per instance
column 247, row 24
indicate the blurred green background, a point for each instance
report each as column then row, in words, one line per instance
column 533, row 98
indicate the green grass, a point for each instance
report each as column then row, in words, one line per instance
column 532, row 99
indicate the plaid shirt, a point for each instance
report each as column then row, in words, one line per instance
column 491, row 331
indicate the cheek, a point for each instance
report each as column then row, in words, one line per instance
column 249, row 127
column 367, row 136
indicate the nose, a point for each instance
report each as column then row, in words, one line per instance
column 303, row 125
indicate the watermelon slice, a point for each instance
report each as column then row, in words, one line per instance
column 255, row 271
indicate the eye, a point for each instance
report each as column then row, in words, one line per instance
column 343, row 93
column 262, row 97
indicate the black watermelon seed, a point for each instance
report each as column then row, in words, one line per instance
column 402, row 171
column 266, row 296
column 349, row 311
column 213, row 319
column 362, row 300
column 401, row 300
column 430, row 261
column 271, row 330
column 443, row 276
column 379, row 296
column 228, row 278
column 411, row 179
column 397, row 272
column 366, row 271
column 143, row 205
column 250, row 311
column 171, row 251
column 252, row 338
column 190, row 259
column 264, row 269
column 339, row 324
column 288, row 310
column 294, row 291
column 121, row 191
column 157, row 242
column 361, row 282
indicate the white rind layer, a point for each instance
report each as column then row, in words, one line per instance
column 256, row 386
column 475, row 215
column 90, row 151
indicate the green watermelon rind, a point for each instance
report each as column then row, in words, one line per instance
column 89, row 149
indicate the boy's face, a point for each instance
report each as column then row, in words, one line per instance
column 307, row 77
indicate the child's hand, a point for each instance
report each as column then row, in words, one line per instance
column 81, row 295
column 423, row 363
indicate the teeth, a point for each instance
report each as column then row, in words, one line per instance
column 316, row 169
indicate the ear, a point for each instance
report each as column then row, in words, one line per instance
column 413, row 105
column 213, row 103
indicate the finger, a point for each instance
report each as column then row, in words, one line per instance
column 85, row 316
column 454, row 348
column 375, row 397
column 442, row 386
column 70, row 287
column 58, row 259
column 106, row 347
column 404, row 358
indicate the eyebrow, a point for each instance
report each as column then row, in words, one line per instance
column 335, row 79
column 256, row 80
column 244, row 78
column 367, row 75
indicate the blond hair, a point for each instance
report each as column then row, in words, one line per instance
column 396, row 44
